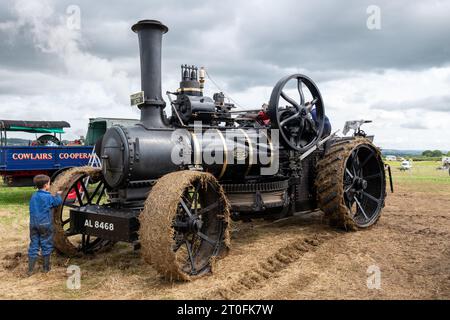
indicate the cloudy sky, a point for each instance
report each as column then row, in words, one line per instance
column 397, row 75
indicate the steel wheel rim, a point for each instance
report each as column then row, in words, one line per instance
column 198, row 228
column 87, row 244
column 364, row 184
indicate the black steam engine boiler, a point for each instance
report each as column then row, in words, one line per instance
column 171, row 184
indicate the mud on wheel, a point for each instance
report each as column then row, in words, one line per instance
column 351, row 184
column 184, row 225
column 80, row 186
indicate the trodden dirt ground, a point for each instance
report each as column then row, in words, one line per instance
column 297, row 258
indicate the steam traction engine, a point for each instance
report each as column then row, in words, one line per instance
column 171, row 186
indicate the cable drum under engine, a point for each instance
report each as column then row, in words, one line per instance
column 257, row 197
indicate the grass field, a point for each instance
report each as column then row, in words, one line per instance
column 14, row 200
column 422, row 172
column 410, row 244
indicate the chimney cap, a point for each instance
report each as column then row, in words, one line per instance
column 142, row 24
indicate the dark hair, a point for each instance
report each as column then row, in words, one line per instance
column 41, row 180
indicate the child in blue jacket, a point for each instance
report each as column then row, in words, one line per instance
column 41, row 222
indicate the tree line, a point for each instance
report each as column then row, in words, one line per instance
column 435, row 153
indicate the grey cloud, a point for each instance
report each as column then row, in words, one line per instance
column 18, row 52
column 316, row 37
column 414, row 125
column 434, row 103
column 321, row 37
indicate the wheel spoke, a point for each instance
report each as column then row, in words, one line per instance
column 300, row 133
column 300, row 91
column 187, row 199
column 371, row 197
column 88, row 240
column 100, row 185
column 101, row 194
column 313, row 127
column 177, row 245
column 196, row 195
column 361, row 208
column 185, row 208
column 294, row 116
column 349, row 173
column 290, row 100
column 212, row 206
column 85, row 190
column 309, row 105
column 361, row 165
column 355, row 162
column 77, row 191
column 191, row 258
column 206, row 238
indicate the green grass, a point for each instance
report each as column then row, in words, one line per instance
column 421, row 172
column 13, row 196
column 14, row 200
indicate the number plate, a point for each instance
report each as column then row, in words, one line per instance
column 104, row 222
column 137, row 98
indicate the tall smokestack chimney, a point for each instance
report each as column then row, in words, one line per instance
column 150, row 38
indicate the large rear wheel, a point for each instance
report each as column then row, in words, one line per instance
column 351, row 184
column 183, row 227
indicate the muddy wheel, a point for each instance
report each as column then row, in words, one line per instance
column 80, row 186
column 184, row 225
column 351, row 184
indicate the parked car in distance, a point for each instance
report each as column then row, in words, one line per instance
column 406, row 165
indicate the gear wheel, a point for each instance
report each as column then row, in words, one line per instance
column 254, row 187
